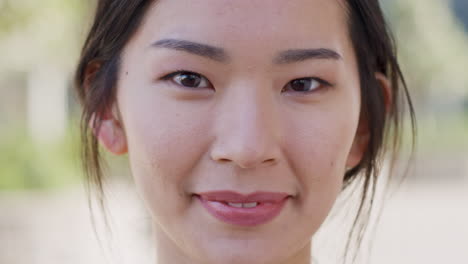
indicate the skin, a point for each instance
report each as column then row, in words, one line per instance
column 245, row 131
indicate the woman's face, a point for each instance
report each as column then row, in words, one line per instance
column 268, row 103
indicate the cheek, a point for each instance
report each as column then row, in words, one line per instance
column 320, row 146
column 165, row 142
column 318, row 152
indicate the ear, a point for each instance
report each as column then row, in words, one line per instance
column 107, row 128
column 111, row 135
column 361, row 140
column 386, row 86
column 90, row 73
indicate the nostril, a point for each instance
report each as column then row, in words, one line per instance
column 246, row 159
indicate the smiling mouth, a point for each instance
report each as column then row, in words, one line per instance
column 243, row 210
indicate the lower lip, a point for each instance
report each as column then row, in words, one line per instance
column 248, row 217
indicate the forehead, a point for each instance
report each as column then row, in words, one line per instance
column 254, row 24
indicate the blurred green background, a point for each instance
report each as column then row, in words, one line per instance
column 39, row 115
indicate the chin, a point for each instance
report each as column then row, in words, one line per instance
column 242, row 252
column 245, row 257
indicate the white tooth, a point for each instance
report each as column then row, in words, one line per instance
column 237, row 205
column 249, row 205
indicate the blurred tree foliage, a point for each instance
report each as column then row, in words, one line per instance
column 46, row 31
column 36, row 34
column 461, row 10
column 25, row 164
column 432, row 49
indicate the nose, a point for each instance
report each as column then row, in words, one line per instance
column 247, row 130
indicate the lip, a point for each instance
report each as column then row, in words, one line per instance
column 269, row 206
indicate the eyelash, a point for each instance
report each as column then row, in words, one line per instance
column 323, row 84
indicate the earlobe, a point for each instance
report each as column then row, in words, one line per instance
column 112, row 137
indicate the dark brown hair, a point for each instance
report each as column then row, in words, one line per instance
column 116, row 21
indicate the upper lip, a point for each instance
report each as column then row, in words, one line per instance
column 235, row 197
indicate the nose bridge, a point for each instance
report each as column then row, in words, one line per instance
column 247, row 131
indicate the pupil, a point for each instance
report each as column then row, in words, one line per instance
column 300, row 85
column 190, row 80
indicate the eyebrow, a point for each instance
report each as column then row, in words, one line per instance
column 291, row 56
column 204, row 50
column 220, row 55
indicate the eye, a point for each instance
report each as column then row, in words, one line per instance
column 307, row 85
column 188, row 79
